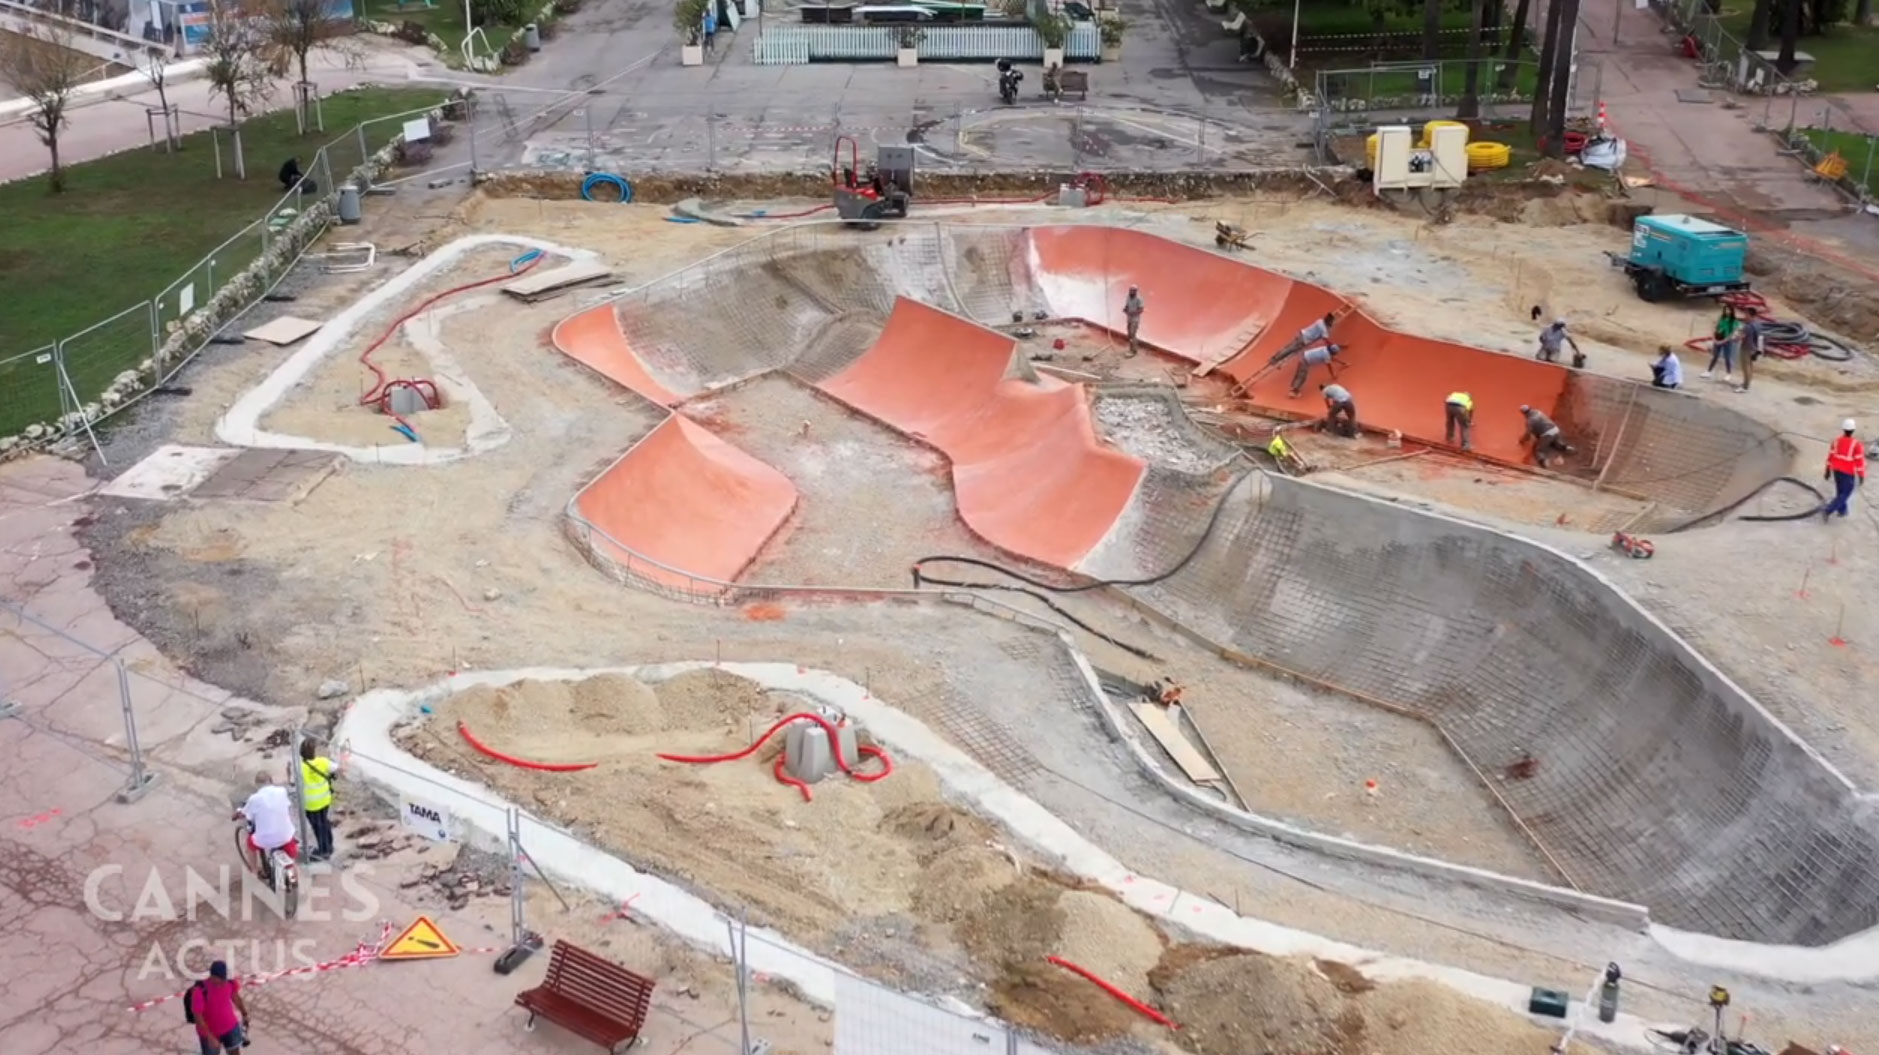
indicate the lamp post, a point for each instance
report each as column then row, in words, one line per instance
column 1291, row 59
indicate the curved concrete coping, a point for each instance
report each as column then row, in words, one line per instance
column 366, row 742
column 240, row 426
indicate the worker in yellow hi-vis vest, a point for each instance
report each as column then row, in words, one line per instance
column 1459, row 411
column 316, row 783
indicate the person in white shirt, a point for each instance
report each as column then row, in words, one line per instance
column 271, row 811
column 1318, row 332
column 1667, row 371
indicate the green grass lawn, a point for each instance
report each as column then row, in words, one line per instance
column 129, row 225
column 444, row 18
column 1860, row 151
column 1846, row 58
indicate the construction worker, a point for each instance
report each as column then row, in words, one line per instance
column 316, row 788
column 1318, row 332
column 1459, row 411
column 1846, row 467
column 1667, row 371
column 1319, row 355
column 1550, row 340
column 1132, row 311
column 1544, row 435
column 1340, row 410
column 1754, row 341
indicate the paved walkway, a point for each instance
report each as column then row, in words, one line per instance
column 86, row 937
column 1710, row 147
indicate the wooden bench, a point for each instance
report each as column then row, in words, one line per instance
column 591, row 997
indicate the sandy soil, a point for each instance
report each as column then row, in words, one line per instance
column 859, row 860
column 386, row 577
column 326, row 404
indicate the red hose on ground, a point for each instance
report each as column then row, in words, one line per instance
column 835, row 748
column 1108, row 987
column 546, row 767
column 381, row 389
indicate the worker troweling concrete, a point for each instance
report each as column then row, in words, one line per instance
column 1458, row 410
column 1552, row 338
column 1544, row 435
column 1132, row 311
column 1340, row 410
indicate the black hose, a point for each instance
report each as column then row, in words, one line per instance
column 1819, row 501
column 919, row 579
column 1213, row 521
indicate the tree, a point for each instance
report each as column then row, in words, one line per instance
column 37, row 59
column 1516, row 41
column 1790, row 36
column 1431, row 29
column 297, row 28
column 1759, row 22
column 1549, row 53
column 1562, row 77
column 1471, row 80
column 158, row 75
column 237, row 63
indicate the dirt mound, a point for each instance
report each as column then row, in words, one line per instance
column 496, row 714
column 935, row 828
column 1109, row 938
column 1018, row 924
column 955, row 884
column 709, row 698
column 1413, row 1018
column 1231, row 1005
column 615, row 704
column 1049, row 999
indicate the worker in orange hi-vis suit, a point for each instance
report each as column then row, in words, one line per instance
column 1846, row 467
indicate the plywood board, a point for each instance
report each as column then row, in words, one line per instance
column 170, row 471
column 1161, row 726
column 540, row 285
column 284, row 331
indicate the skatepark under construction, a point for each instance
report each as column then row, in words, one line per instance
column 1658, row 792
column 1663, row 785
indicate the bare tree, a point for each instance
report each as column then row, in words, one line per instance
column 157, row 72
column 297, row 28
column 37, row 59
column 237, row 63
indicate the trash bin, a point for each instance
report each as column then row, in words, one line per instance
column 532, row 37
column 349, row 203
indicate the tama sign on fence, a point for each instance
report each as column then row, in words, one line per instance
column 432, row 822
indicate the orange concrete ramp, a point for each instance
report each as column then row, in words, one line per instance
column 1029, row 474
column 1214, row 309
column 1199, row 305
column 1401, row 381
column 593, row 339
column 689, row 502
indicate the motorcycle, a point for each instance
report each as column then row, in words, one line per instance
column 1008, row 81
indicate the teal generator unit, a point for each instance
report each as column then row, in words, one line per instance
column 1682, row 256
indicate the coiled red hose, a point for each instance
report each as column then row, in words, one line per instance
column 380, row 395
column 546, row 767
column 835, row 748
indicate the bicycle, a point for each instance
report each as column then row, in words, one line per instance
column 276, row 867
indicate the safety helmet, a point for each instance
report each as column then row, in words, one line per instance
column 1524, row 408
column 1848, row 425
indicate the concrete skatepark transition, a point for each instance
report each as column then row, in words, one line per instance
column 1665, row 784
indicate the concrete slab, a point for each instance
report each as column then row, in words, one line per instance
column 169, row 472
column 284, row 330
column 263, row 475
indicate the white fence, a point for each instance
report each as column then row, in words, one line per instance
column 798, row 45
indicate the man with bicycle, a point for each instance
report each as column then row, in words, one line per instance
column 270, row 815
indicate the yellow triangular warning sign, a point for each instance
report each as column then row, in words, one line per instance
column 420, row 941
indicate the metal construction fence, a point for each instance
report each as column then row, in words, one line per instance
column 797, row 45
column 957, row 132
column 64, row 388
column 1353, row 102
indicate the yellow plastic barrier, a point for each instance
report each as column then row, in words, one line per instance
column 1485, row 155
column 1831, row 167
column 1370, row 148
